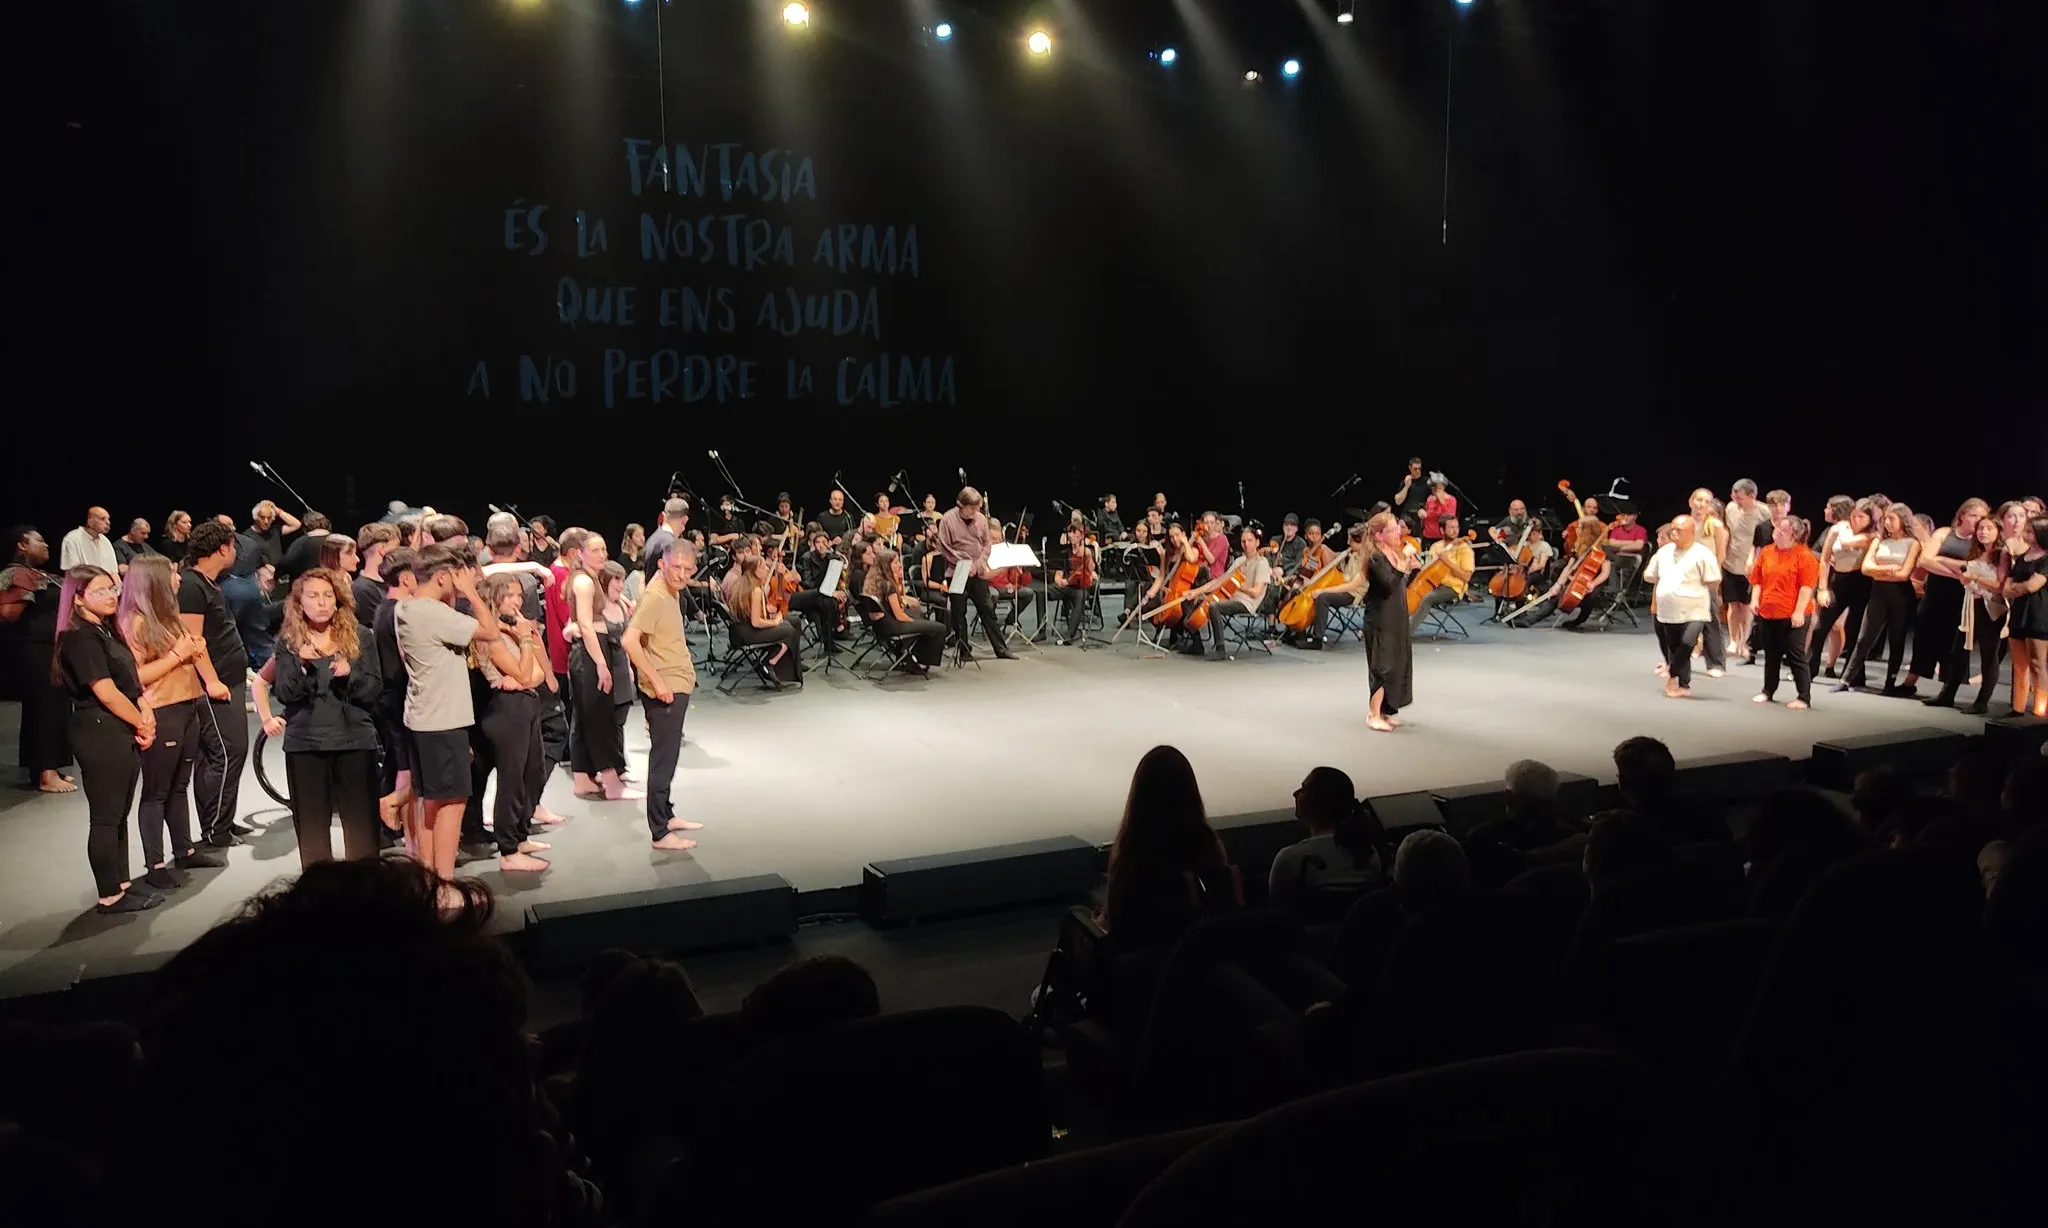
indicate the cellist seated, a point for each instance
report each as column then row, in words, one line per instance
column 1459, row 565
column 1253, row 575
column 1351, row 566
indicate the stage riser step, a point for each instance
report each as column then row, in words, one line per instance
column 564, row 934
column 1914, row 752
column 977, row 880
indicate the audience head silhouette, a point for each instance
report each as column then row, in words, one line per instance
column 820, row 992
column 1430, row 870
column 1165, row 835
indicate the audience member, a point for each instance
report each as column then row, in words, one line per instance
column 808, row 995
column 1166, row 865
column 1622, row 843
column 1341, row 853
column 1429, row 871
column 1534, row 817
column 348, row 994
column 1646, row 776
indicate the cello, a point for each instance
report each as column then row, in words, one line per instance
column 1300, row 611
column 1582, row 576
column 1229, row 586
column 1434, row 574
column 1170, row 612
column 1510, row 582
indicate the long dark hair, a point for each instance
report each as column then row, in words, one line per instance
column 68, row 619
column 1357, row 830
column 1165, row 830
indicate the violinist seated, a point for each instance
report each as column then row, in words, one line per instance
column 1288, row 550
column 1255, row 591
column 1070, row 586
column 1351, row 566
column 827, row 611
column 1315, row 555
column 1459, row 565
column 1013, row 583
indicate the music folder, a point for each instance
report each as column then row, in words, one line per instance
column 830, row 584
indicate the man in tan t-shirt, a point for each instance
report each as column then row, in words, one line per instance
column 660, row 652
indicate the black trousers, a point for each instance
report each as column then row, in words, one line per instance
column 223, row 750
column 1785, row 644
column 665, row 746
column 1677, row 640
column 566, row 697
column 1235, row 605
column 594, row 743
column 1022, row 599
column 931, row 637
column 45, row 712
column 1887, row 621
column 982, row 597
column 554, row 726
column 788, row 631
column 1956, row 668
column 1850, row 591
column 166, row 780
column 1325, row 602
column 108, row 767
column 511, row 724
column 1072, row 604
column 1939, row 614
column 823, row 611
column 326, row 783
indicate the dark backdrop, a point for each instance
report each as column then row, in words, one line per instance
column 1792, row 240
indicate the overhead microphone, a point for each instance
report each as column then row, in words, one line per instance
column 258, row 467
column 714, row 454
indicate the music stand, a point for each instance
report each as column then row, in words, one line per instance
column 956, row 593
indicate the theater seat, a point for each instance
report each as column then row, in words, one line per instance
column 1088, row 1189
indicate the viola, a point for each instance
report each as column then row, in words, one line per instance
column 1081, row 568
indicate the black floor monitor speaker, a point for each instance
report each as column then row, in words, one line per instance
column 1401, row 813
column 1738, row 776
column 1915, row 752
column 564, row 934
column 916, row 888
column 2014, row 735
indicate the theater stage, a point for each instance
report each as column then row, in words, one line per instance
column 813, row 785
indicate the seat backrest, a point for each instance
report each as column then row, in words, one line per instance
column 1087, row 1189
column 1676, row 996
column 1465, row 980
column 912, row 1100
column 1556, row 1137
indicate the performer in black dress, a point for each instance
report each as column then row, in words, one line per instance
column 1388, row 654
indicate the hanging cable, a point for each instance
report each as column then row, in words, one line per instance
column 661, row 92
column 1450, row 45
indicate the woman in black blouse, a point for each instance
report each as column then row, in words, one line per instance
column 328, row 680
column 109, row 727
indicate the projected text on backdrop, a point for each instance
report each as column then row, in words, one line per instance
column 714, row 293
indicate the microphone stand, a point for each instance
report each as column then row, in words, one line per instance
column 265, row 468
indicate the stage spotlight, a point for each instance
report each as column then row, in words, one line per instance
column 1291, row 68
column 1465, row 3
column 1040, row 43
column 943, row 31
column 796, row 16
column 1168, row 56
column 1344, row 18
column 1251, row 76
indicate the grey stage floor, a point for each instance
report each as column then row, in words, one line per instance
column 815, row 784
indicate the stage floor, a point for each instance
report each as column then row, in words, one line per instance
column 815, row 784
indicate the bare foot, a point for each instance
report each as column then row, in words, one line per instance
column 1759, row 699
column 534, row 846
column 673, row 843
column 54, row 782
column 1661, row 670
column 625, row 795
column 1683, row 692
column 521, row 863
column 1717, row 673
column 1379, row 723
column 1671, row 689
column 547, row 818
column 1395, row 721
column 1797, row 705
column 684, row 825
column 584, row 784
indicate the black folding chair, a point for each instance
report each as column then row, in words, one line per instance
column 894, row 648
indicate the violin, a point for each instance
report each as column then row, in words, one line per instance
column 782, row 585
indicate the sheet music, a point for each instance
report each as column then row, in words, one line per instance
column 1005, row 555
column 830, row 584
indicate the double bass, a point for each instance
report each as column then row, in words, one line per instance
column 1433, row 575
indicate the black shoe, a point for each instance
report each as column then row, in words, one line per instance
column 1216, row 654
column 1830, row 672
column 1003, row 653
column 241, row 829
column 164, row 878
column 221, row 840
column 200, row 859
column 130, row 901
column 1900, row 691
column 1978, row 709
column 1940, row 701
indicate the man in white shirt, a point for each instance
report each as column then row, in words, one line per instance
column 1682, row 574
column 1254, row 574
column 89, row 543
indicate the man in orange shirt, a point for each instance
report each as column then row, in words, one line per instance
column 1782, row 578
